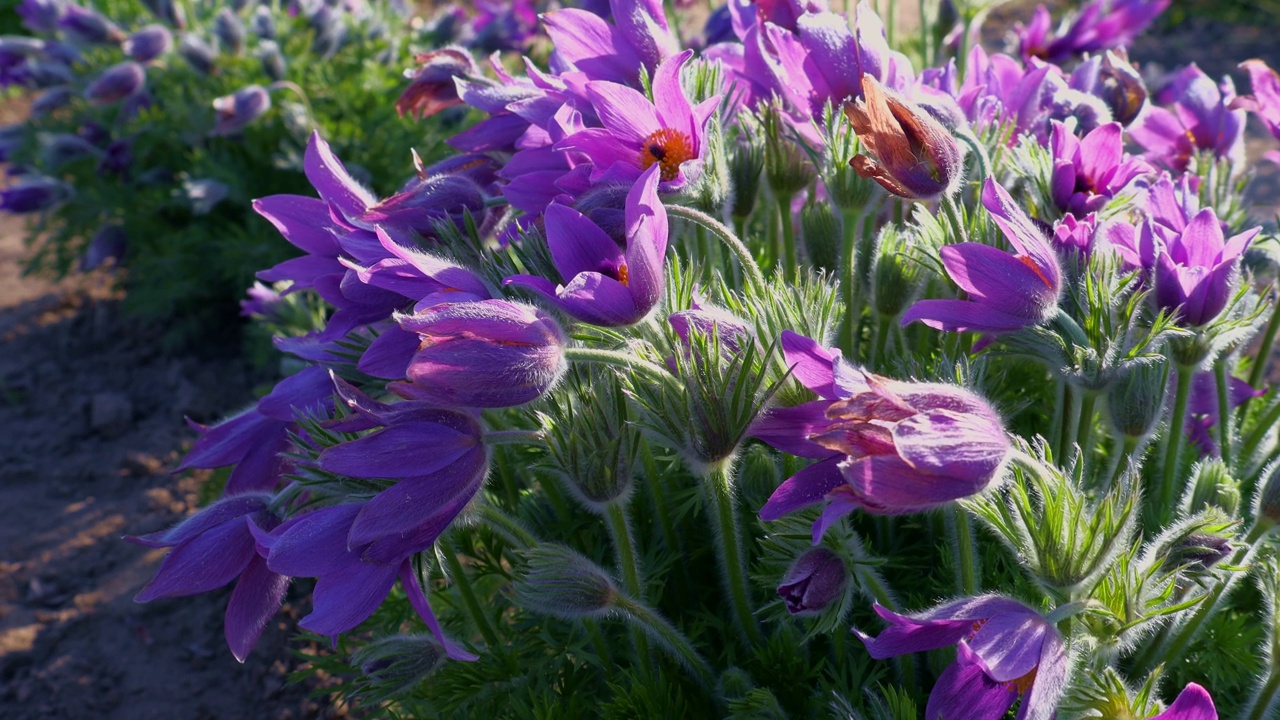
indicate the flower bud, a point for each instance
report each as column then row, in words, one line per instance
column 1136, row 398
column 822, row 235
column 58, row 149
column 915, row 156
column 433, row 88
column 1112, row 79
column 272, row 60
column 41, row 16
column 395, row 665
column 330, row 32
column 1267, row 511
column 149, row 43
column 89, row 27
column 592, row 445
column 745, row 166
column 483, row 354
column 197, row 53
column 167, row 11
column 815, row 580
column 561, row 583
column 786, row 166
column 1212, row 486
column 424, row 201
column 116, row 83
column 263, row 23
column 229, row 29
column 108, row 244
column 895, row 273
column 239, row 109
column 34, row 193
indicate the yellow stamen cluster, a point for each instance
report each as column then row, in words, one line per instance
column 668, row 148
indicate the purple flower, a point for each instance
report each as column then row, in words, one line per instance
column 815, row 580
column 915, row 156
column 116, row 83
column 505, row 25
column 41, row 16
column 887, row 447
column 1193, row 703
column 109, row 244
column 1264, row 103
column 1076, row 235
column 1006, row 292
column 212, row 548
column 638, row 134
column 1101, row 24
column 1004, row 650
column 149, row 43
column 482, row 354
column 1111, row 78
column 237, row 110
column 1202, row 407
column 1194, row 268
column 1202, row 118
column 639, row 38
column 433, row 88
column 1089, row 171
column 34, row 193
column 88, row 26
column 605, row 284
column 263, row 302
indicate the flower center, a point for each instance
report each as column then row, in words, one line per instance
column 1023, row 684
column 624, row 277
column 668, row 148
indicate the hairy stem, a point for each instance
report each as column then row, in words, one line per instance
column 628, row 563
column 1173, row 442
column 722, row 506
column 463, row 583
column 661, row 631
column 726, row 236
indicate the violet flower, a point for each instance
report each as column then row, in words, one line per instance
column 89, row 26
column 1202, row 407
column 482, row 354
column 637, row 134
column 1111, row 78
column 212, row 548
column 915, row 156
column 887, row 447
column 1004, row 650
column 149, row 43
column 605, row 284
column 1101, row 24
column 41, row 16
column 1006, row 292
column 1195, row 268
column 1202, row 119
column 242, row 107
column 639, row 38
column 1193, row 703
column 34, row 193
column 1264, row 103
column 116, row 83
column 1089, row 171
column 432, row 88
column 815, row 580
column 108, row 245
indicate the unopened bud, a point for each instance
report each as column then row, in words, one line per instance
column 590, row 441
column 1268, row 510
column 1212, row 487
column 197, row 53
column 559, row 582
column 1136, row 398
column 263, row 23
column 786, row 166
column 272, row 60
column 822, row 233
column 229, row 29
column 815, row 580
column 895, row 273
column 58, row 149
column 149, row 43
column 116, row 83
column 395, row 665
column 745, row 166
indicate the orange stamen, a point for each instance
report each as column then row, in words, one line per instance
column 624, row 276
column 669, row 149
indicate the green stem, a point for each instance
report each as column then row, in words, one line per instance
column 953, row 216
column 1084, row 433
column 514, row 437
column 883, row 329
column 1261, row 360
column 790, row 260
column 722, row 506
column 1054, row 439
column 1125, row 448
column 1071, row 424
column 1266, row 695
column 1069, row 326
column 1259, row 432
column 848, row 278
column 653, row 371
column 506, row 526
column 979, row 151
column 661, row 631
column 966, row 558
column 661, row 500
column 726, row 236
column 459, row 577
column 1222, row 380
column 624, row 546
column 1173, row 443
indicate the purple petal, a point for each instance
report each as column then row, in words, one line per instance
column 963, row 316
column 314, row 544
column 805, row 488
column 965, row 692
column 410, row 449
column 788, row 428
column 202, row 563
column 963, row 446
column 578, row 245
column 331, row 179
column 907, row 634
column 599, row 300
column 225, row 510
column 1010, row 643
column 1193, row 703
column 418, row 599
column 303, row 221
column 345, row 598
column 1021, row 232
column 669, row 100
column 592, row 45
column 1041, row 702
column 303, row 392
column 810, row 363
column 261, row 468
column 998, row 280
column 253, row 603
column 412, row 502
column 627, row 114
column 647, row 233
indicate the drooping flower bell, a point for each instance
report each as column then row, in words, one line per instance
column 887, row 447
column 915, row 156
column 1005, row 650
column 1006, row 292
column 815, row 580
column 116, row 83
column 432, row 88
column 604, row 284
column 242, row 107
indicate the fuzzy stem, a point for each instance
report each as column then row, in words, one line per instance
column 1173, row 443
column 665, row 634
column 507, row 527
column 660, row 498
column 1071, row 425
column 722, row 505
column 1266, row 696
column 623, row 544
column 1222, row 380
column 966, row 557
column 459, row 577
column 1125, row 448
column 653, row 371
column 1260, row 362
column 514, row 437
column 848, row 277
column 790, row 260
column 726, row 236
column 1055, row 427
column 1069, row 326
column 1259, row 432
column 877, row 359
column 1084, row 433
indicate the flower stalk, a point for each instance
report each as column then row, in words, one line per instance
column 722, row 506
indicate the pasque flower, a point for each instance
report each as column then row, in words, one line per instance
column 482, row 354
column 1101, row 24
column 815, row 580
column 212, row 548
column 1194, row 268
column 637, row 134
column 1004, row 650
column 1264, row 102
column 116, row 83
column 639, row 37
column 432, row 88
column 149, row 43
column 242, row 107
column 1193, row 703
column 915, row 156
column 1203, row 117
column 604, row 284
column 887, row 447
column 1006, row 292
column 1089, row 171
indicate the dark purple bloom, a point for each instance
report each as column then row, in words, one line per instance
column 198, row 53
column 1111, row 78
column 483, row 354
column 887, row 447
column 149, row 43
column 1193, row 703
column 503, row 25
column 1005, row 650
column 1101, row 24
column 229, row 29
column 116, row 83
column 915, row 156
column 1195, row 268
column 1202, row 407
column 432, row 88
column 637, row 134
column 1073, row 235
column 109, row 244
column 212, row 548
column 1006, row 292
column 1088, row 172
column 639, row 38
column 88, row 26
column 1202, row 119
column 237, row 110
column 41, row 16
column 815, row 580
column 606, row 285
column 33, row 193
column 53, row 99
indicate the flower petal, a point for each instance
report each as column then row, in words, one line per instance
column 806, row 487
column 253, row 603
column 965, row 692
